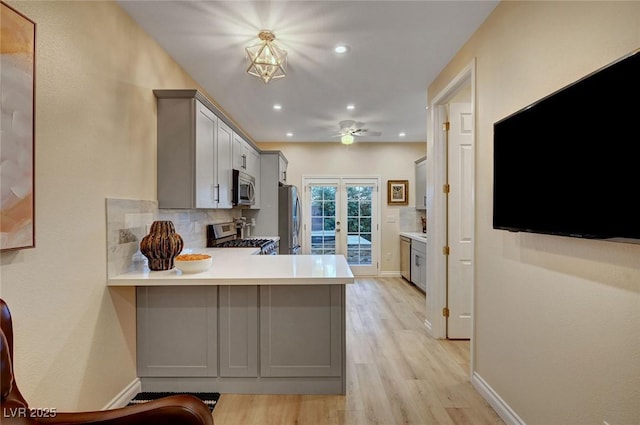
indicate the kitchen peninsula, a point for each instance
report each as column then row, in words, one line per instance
column 249, row 324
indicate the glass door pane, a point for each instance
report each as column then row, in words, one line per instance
column 359, row 221
column 323, row 219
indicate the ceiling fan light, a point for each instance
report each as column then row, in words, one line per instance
column 346, row 139
column 266, row 60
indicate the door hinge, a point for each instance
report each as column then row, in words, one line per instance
column 445, row 250
column 445, row 126
column 446, row 188
column 445, row 312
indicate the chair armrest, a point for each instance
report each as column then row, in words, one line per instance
column 171, row 410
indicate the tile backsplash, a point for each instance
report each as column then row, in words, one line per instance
column 411, row 219
column 128, row 221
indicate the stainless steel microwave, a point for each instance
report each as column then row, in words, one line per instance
column 244, row 188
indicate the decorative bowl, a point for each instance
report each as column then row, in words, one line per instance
column 193, row 263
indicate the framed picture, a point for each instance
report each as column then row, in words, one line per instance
column 17, row 83
column 398, row 192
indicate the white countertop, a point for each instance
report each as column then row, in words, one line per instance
column 237, row 266
column 418, row 236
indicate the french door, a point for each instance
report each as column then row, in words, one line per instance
column 341, row 217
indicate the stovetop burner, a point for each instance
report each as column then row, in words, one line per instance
column 224, row 236
column 244, row 243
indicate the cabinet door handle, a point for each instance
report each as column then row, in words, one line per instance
column 425, row 200
column 244, row 162
column 284, row 175
column 216, row 190
column 417, row 261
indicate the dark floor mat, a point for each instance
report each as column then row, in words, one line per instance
column 210, row 399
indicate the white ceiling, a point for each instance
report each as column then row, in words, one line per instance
column 396, row 49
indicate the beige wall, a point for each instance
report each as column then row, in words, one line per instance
column 389, row 161
column 557, row 319
column 95, row 138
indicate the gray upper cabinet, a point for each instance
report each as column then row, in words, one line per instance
column 282, row 169
column 194, row 152
column 224, row 175
column 246, row 158
column 241, row 152
column 421, row 184
column 271, row 174
column 205, row 147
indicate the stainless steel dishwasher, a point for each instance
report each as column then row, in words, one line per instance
column 405, row 257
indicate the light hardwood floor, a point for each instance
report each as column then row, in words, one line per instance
column 396, row 373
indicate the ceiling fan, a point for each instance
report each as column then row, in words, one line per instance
column 350, row 128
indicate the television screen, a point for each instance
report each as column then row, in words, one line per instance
column 569, row 164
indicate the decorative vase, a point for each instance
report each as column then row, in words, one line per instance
column 161, row 245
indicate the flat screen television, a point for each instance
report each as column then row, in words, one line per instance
column 569, row 164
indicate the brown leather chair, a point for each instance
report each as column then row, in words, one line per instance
column 172, row 410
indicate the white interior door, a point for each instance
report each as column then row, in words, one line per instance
column 460, row 225
column 341, row 217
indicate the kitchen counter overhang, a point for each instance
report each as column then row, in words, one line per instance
column 236, row 266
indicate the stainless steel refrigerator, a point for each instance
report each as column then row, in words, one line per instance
column 289, row 219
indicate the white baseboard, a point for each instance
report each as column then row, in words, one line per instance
column 499, row 405
column 389, row 274
column 123, row 398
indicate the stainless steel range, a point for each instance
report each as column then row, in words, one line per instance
column 225, row 235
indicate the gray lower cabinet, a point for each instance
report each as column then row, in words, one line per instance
column 419, row 264
column 284, row 339
column 301, row 330
column 238, row 337
column 177, row 331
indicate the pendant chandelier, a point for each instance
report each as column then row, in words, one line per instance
column 266, row 59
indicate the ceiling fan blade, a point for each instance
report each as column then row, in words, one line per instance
column 347, row 124
column 366, row 132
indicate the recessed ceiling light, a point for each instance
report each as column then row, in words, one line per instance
column 289, row 134
column 351, row 107
column 341, row 49
column 402, row 134
column 277, row 107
